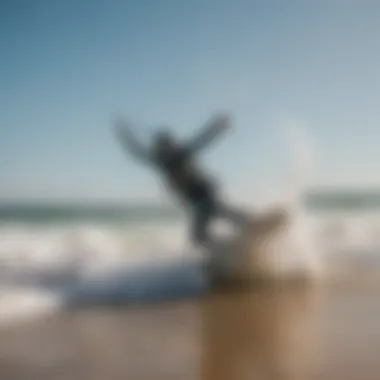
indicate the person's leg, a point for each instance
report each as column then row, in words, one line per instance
column 235, row 215
column 232, row 214
column 203, row 213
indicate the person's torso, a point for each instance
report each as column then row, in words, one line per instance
column 182, row 175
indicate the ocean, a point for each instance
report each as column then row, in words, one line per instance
column 52, row 233
column 45, row 247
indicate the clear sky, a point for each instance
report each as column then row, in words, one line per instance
column 68, row 67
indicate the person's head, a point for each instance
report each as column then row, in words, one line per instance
column 164, row 141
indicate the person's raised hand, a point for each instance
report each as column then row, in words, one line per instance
column 221, row 122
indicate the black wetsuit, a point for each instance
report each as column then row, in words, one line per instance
column 198, row 191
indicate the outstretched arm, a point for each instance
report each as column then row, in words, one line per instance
column 129, row 142
column 213, row 128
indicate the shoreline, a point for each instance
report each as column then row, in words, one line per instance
column 295, row 332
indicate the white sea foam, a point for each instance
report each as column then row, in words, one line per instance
column 87, row 249
column 36, row 262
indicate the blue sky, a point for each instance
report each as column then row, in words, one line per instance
column 68, row 67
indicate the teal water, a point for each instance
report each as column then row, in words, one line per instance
column 61, row 213
column 342, row 200
column 346, row 200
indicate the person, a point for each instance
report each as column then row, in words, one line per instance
column 175, row 161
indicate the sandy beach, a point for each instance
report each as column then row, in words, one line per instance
column 270, row 332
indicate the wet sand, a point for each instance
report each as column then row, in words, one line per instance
column 269, row 332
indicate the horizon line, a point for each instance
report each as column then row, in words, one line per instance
column 157, row 202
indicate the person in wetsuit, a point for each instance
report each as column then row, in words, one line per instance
column 175, row 161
